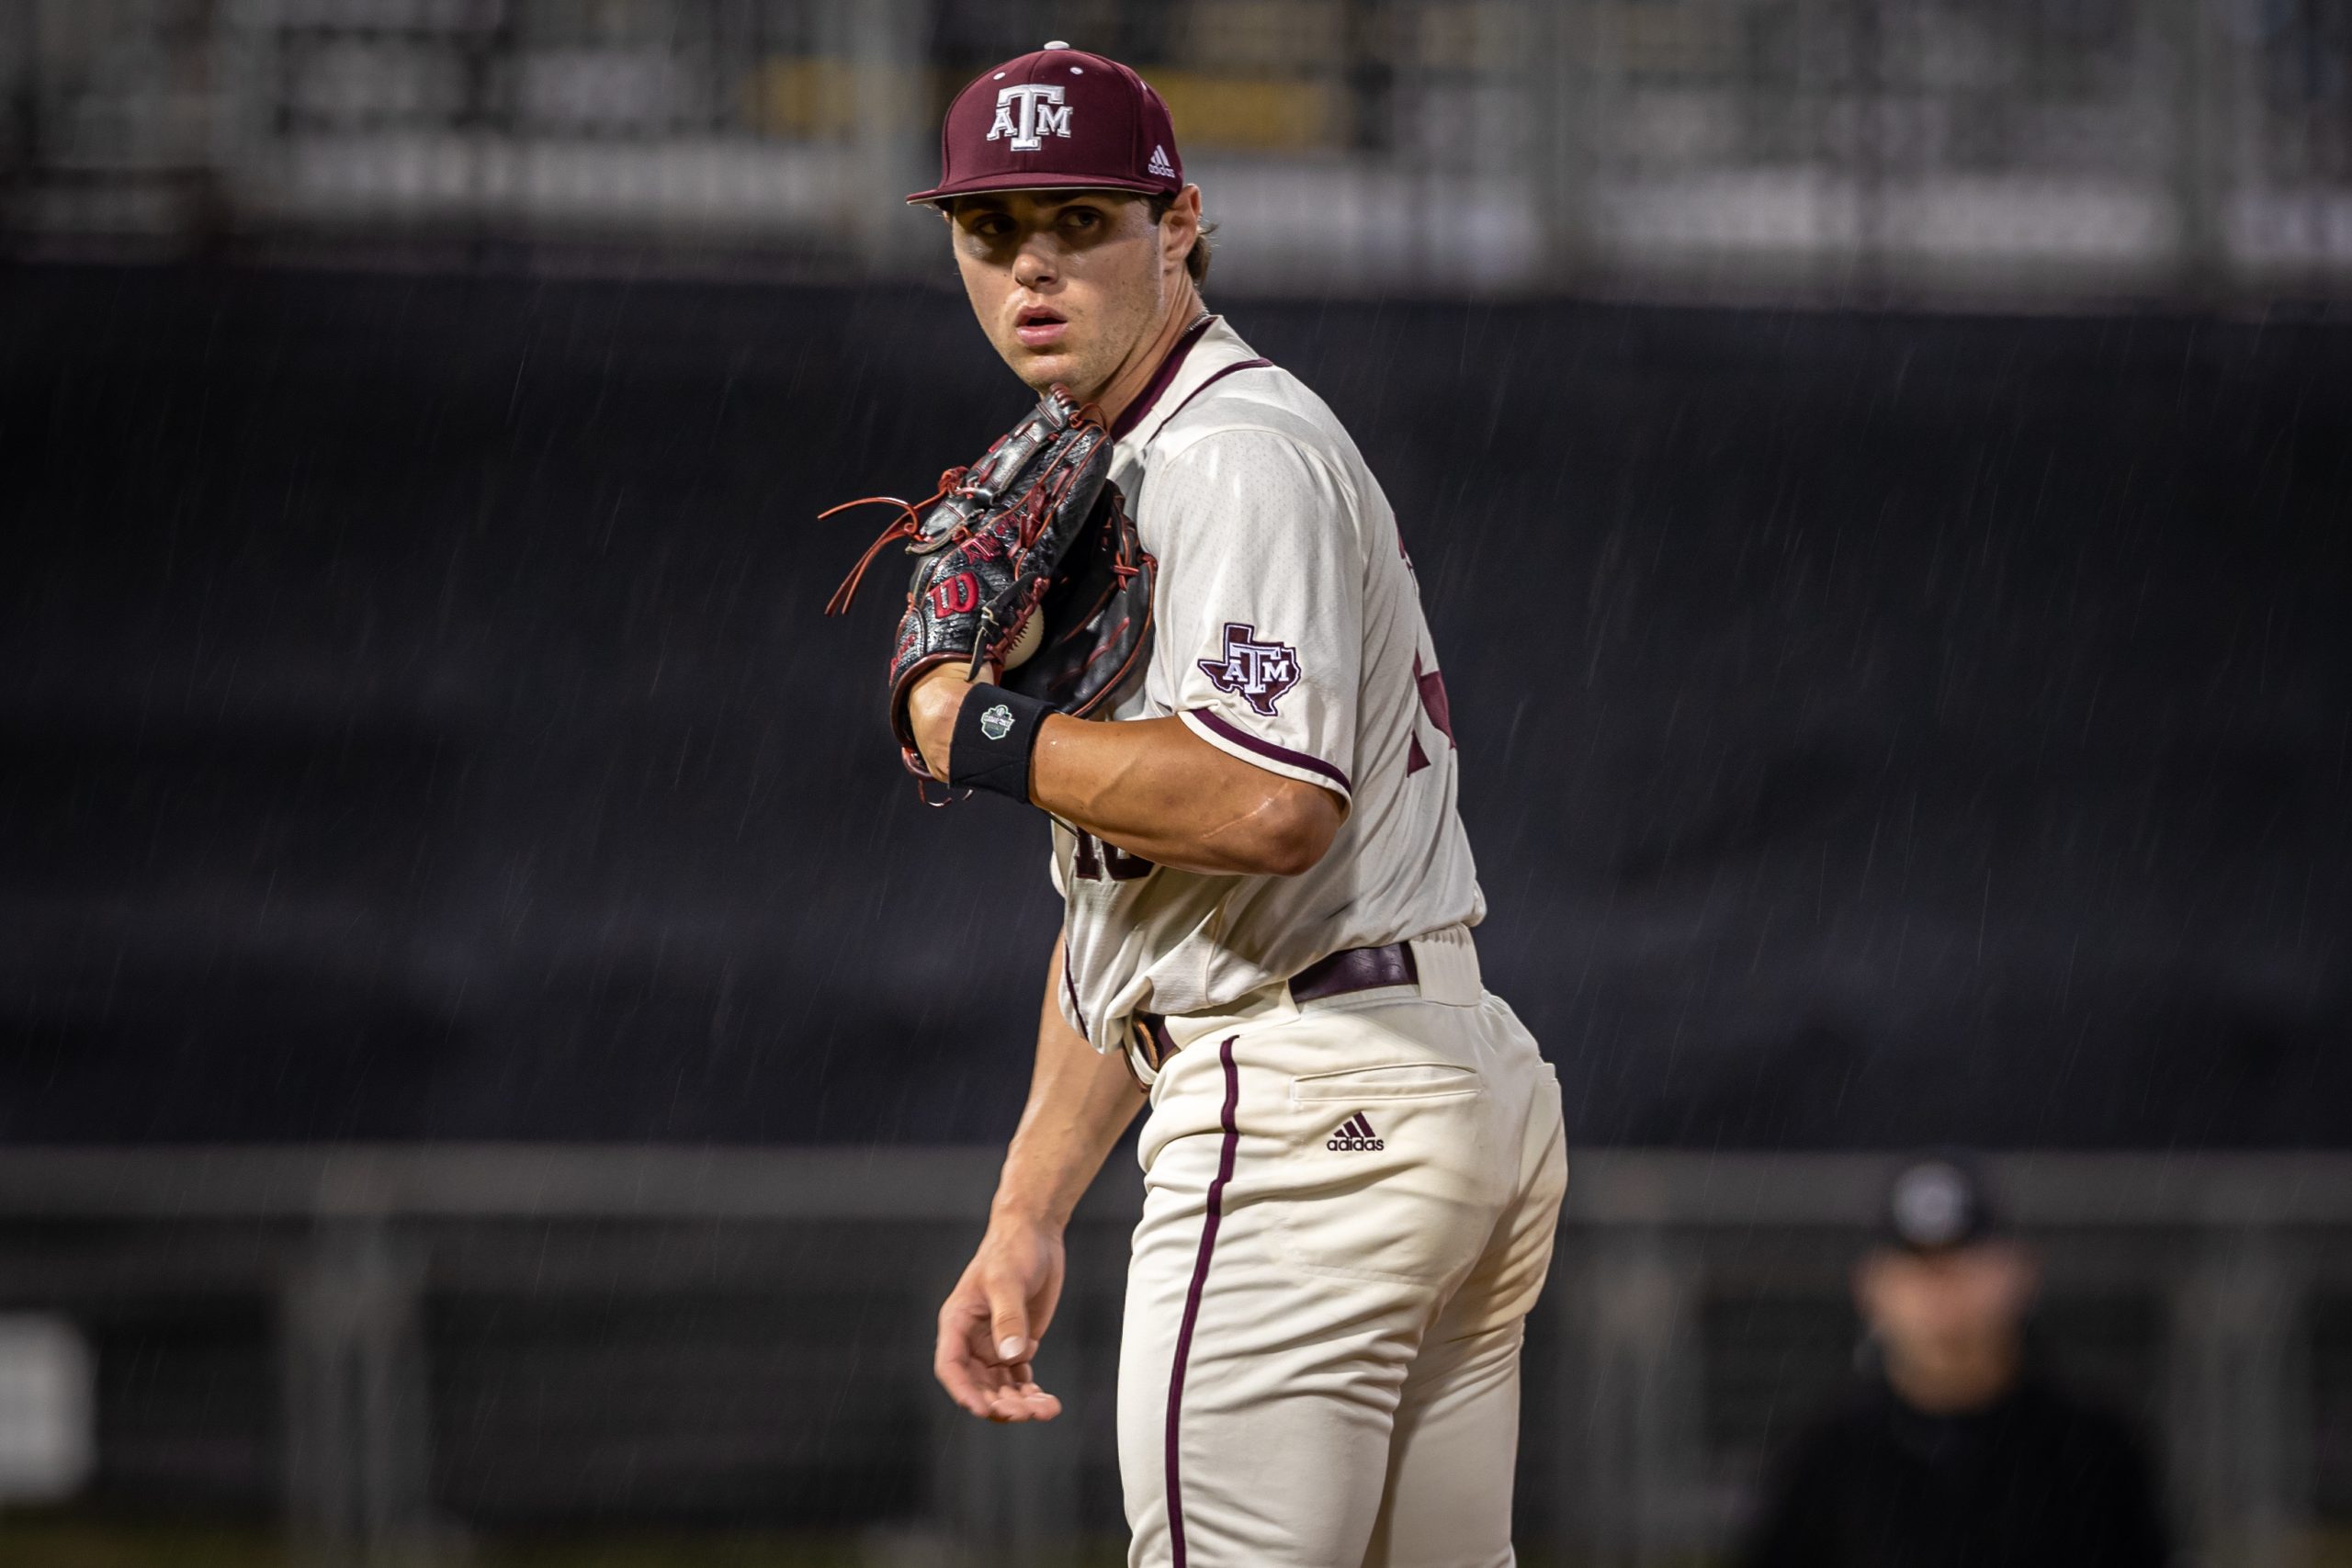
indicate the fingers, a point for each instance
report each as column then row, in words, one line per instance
column 1009, row 1325
column 977, row 1375
column 1006, row 1394
column 991, row 1325
column 961, row 1367
column 1022, row 1400
column 960, row 1377
column 1014, row 1395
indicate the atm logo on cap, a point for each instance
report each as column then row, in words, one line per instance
column 1029, row 114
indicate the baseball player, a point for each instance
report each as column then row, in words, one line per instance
column 1353, row 1160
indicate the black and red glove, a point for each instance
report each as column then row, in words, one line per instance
column 1027, row 560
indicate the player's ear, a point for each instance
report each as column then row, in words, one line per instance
column 1180, row 226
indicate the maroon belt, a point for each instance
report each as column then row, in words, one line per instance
column 1348, row 970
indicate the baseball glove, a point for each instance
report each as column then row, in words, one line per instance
column 1026, row 559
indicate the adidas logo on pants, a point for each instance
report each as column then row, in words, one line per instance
column 1355, row 1137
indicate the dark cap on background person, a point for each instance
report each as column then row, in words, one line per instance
column 1938, row 1201
column 1058, row 120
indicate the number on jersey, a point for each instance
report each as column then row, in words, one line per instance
column 1431, row 687
column 1093, row 858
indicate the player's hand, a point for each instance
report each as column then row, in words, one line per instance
column 932, row 706
column 991, row 1321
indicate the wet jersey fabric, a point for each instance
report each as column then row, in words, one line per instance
column 1290, row 636
column 2037, row 1481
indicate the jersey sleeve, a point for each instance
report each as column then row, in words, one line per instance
column 1261, row 604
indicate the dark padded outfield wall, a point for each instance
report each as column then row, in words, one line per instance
column 419, row 723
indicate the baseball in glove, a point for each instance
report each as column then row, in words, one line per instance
column 1027, row 560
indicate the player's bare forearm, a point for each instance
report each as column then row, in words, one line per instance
column 1155, row 789
column 995, row 1319
column 1079, row 1101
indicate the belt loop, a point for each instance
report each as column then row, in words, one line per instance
column 1448, row 962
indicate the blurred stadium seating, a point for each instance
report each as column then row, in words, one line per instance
column 2045, row 152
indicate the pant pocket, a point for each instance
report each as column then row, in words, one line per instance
column 1388, row 1174
column 1403, row 1080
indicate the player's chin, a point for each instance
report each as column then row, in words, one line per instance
column 1042, row 368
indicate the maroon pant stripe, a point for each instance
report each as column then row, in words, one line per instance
column 1192, row 1297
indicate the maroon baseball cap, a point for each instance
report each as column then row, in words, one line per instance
column 1059, row 120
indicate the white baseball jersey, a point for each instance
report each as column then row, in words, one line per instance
column 1290, row 635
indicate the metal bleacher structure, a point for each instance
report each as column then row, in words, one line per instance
column 397, row 1348
column 2034, row 155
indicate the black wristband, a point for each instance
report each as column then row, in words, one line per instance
column 995, row 732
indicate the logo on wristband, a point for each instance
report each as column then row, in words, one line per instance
column 997, row 722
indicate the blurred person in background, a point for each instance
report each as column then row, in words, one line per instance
column 1959, row 1448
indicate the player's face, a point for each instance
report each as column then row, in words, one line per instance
column 1067, row 287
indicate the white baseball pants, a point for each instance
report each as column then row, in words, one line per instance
column 1349, row 1213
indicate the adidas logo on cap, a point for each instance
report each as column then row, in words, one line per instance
column 1355, row 1137
column 1160, row 164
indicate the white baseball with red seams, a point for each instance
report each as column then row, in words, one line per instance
column 1350, row 1203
